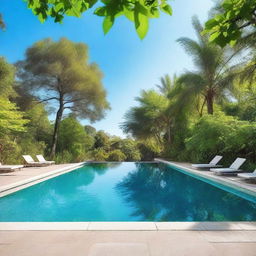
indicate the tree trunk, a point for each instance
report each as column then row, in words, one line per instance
column 209, row 101
column 169, row 136
column 56, row 127
column 202, row 108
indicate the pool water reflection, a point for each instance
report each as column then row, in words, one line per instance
column 125, row 192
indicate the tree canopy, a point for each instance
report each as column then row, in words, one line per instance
column 212, row 75
column 60, row 72
column 137, row 11
column 10, row 118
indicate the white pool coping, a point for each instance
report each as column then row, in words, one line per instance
column 110, row 226
column 222, row 180
column 128, row 226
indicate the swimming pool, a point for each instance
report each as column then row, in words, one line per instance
column 125, row 192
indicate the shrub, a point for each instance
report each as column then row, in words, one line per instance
column 12, row 148
column 128, row 147
column 149, row 150
column 63, row 157
column 98, row 154
column 116, row 155
column 101, row 140
column 73, row 139
column 224, row 135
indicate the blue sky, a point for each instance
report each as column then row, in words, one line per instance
column 128, row 63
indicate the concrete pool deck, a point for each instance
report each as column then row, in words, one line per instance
column 14, row 181
column 127, row 243
column 7, row 178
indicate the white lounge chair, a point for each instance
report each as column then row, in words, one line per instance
column 41, row 159
column 213, row 163
column 10, row 168
column 248, row 176
column 31, row 163
column 233, row 168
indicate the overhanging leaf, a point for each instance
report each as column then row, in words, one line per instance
column 108, row 23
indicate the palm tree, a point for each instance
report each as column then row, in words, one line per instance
column 147, row 120
column 167, row 85
column 212, row 75
column 158, row 112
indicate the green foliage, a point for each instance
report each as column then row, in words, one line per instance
column 16, row 144
column 7, row 73
column 21, row 125
column 73, row 139
column 244, row 106
column 219, row 134
column 102, row 140
column 213, row 77
column 63, row 157
column 11, row 120
column 137, row 11
column 90, row 130
column 61, row 72
column 235, row 17
column 116, row 156
column 151, row 113
column 130, row 150
column 9, row 150
column 62, row 69
column 164, row 117
column 128, row 147
column 98, row 154
column 149, row 149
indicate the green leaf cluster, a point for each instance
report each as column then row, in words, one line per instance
column 137, row 11
column 227, row 26
column 224, row 135
column 10, row 118
column 116, row 155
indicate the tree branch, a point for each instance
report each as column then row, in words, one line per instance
column 52, row 98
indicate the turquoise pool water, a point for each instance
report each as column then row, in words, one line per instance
column 125, row 192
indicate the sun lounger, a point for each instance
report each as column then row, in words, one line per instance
column 10, row 168
column 213, row 163
column 31, row 163
column 42, row 159
column 233, row 168
column 248, row 176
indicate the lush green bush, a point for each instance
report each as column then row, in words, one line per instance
column 12, row 148
column 128, row 147
column 10, row 151
column 98, row 154
column 63, row 157
column 116, row 155
column 102, row 140
column 130, row 150
column 73, row 138
column 224, row 135
column 149, row 150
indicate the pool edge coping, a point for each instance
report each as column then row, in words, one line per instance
column 218, row 179
column 128, row 226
